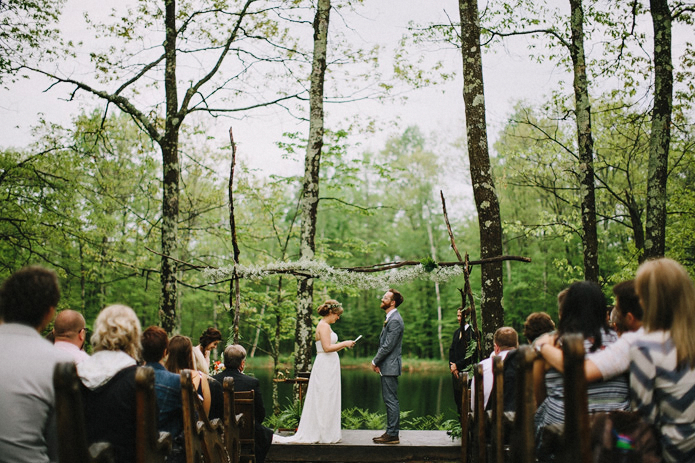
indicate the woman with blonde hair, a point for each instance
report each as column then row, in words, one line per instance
column 662, row 362
column 181, row 358
column 320, row 420
column 108, row 380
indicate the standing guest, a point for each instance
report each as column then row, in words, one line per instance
column 108, row 380
column 234, row 364
column 181, row 358
column 662, row 367
column 458, row 361
column 28, row 299
column 209, row 340
column 69, row 334
column 536, row 324
column 505, row 341
column 387, row 362
column 167, row 388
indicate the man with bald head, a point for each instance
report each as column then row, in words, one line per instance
column 69, row 334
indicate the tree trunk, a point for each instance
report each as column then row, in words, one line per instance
column 171, row 173
column 585, row 143
column 310, row 193
column 660, row 139
column 486, row 201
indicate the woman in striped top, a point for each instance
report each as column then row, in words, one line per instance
column 662, row 363
column 583, row 310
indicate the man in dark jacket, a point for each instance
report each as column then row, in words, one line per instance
column 234, row 364
column 457, row 353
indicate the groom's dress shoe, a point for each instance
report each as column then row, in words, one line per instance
column 386, row 439
column 384, row 435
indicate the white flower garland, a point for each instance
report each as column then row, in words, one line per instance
column 318, row 269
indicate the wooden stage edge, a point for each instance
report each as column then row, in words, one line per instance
column 357, row 446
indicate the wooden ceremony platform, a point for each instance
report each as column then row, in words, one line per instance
column 357, row 446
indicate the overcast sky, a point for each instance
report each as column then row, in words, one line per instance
column 509, row 76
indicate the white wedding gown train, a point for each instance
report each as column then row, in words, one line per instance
column 320, row 421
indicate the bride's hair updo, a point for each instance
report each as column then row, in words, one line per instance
column 330, row 306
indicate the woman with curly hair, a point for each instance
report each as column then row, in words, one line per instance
column 108, row 380
column 210, row 338
column 320, row 421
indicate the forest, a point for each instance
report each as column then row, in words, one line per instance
column 133, row 201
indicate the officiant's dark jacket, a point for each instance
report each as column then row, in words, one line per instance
column 242, row 382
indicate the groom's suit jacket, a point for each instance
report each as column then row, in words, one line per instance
column 388, row 357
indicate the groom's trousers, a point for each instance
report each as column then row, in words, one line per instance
column 389, row 392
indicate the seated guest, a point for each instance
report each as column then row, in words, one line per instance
column 210, row 338
column 662, row 367
column 234, row 364
column 181, row 358
column 108, row 380
column 584, row 312
column 614, row 360
column 167, row 387
column 505, row 340
column 69, row 334
column 536, row 324
column 28, row 299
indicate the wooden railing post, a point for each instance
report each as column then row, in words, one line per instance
column 479, row 414
column 465, row 412
column 577, row 446
column 497, row 396
column 523, row 440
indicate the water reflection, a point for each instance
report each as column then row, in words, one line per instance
column 424, row 393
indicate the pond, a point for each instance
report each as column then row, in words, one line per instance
column 425, row 393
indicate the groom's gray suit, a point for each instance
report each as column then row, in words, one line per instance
column 388, row 359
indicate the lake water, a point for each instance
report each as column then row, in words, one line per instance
column 425, row 393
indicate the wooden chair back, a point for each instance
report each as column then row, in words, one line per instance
column 497, row 415
column 577, row 444
column 523, row 440
column 465, row 417
column 232, row 424
column 203, row 438
column 151, row 446
column 479, row 416
column 244, row 406
column 72, row 431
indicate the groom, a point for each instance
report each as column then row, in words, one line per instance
column 387, row 362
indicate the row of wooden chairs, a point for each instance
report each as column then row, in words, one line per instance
column 206, row 441
column 499, row 437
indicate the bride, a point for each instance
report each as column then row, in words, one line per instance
column 320, row 421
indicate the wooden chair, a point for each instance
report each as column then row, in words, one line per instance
column 72, row 431
column 244, row 406
column 497, row 414
column 523, row 440
column 151, row 446
column 232, row 422
column 465, row 418
column 203, row 438
column 479, row 417
column 577, row 445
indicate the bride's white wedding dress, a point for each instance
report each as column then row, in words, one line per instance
column 320, row 421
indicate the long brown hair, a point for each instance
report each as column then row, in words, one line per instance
column 667, row 295
column 180, row 354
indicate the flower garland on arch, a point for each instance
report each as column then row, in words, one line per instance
column 340, row 276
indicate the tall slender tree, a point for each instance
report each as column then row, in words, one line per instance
column 310, row 188
column 585, row 142
column 660, row 139
column 484, row 192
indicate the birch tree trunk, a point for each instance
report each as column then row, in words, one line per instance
column 486, row 201
column 585, row 142
column 310, row 194
column 660, row 139
column 171, row 173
